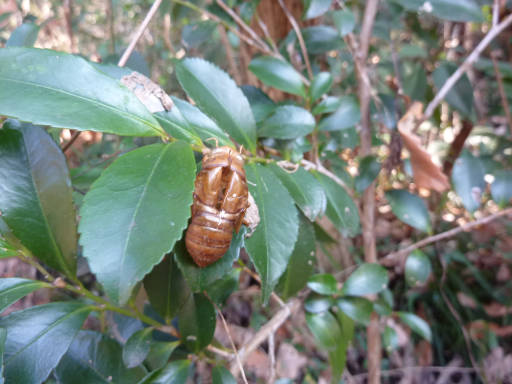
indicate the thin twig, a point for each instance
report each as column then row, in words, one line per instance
column 264, row 28
column 399, row 256
column 138, row 34
column 270, row 327
column 447, row 86
column 302, row 44
column 496, row 13
column 225, row 354
column 233, row 67
column 272, row 357
column 501, row 90
column 71, row 141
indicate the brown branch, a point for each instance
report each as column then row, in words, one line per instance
column 167, row 33
column 501, row 89
column 452, row 80
column 233, row 67
column 399, row 256
column 71, row 141
column 126, row 54
column 456, row 146
column 302, row 44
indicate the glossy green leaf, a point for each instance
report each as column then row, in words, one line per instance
column 220, row 375
column 135, row 212
column 347, row 115
column 199, row 279
column 177, row 126
column 23, row 36
column 415, row 83
column 344, row 20
column 358, row 309
column 166, row 288
column 321, row 39
column 137, row 347
column 325, row 329
column 271, row 244
column 315, row 8
column 35, row 195
column 368, row 279
column 321, row 84
column 468, row 180
column 3, row 337
column 369, row 169
column 389, row 339
column 50, row 328
column 454, row 10
column 9, row 245
column 460, row 95
column 417, row 324
column 262, row 106
column 327, row 105
column 323, row 283
column 94, row 358
column 159, row 353
column 205, row 127
column 341, row 209
column 219, row 97
column 287, row 122
column 501, row 187
column 13, row 288
column 196, row 322
column 65, row 91
column 278, row 74
column 338, row 356
column 176, row 372
column 306, row 191
column 302, row 261
column 318, row 303
column 409, row 208
column 417, row 268
column 221, row 289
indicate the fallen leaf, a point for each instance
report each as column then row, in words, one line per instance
column 426, row 174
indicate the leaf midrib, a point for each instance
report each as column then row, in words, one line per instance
column 92, row 101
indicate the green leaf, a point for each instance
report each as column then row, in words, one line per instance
column 220, row 375
column 327, row 105
column 409, row 208
column 35, row 195
column 23, row 36
column 325, row 329
column 218, row 96
column 12, row 289
column 344, row 20
column 262, row 106
column 501, row 188
column 306, row 191
column 368, row 279
column 321, row 84
column 137, row 347
column 468, row 180
column 221, row 289
column 415, row 83
column 166, row 288
column 390, row 339
column 176, row 372
column 194, row 35
column 199, row 279
column 205, row 127
column 347, row 115
column 318, row 303
column 159, row 353
column 278, row 74
column 417, row 324
column 135, row 212
column 315, row 8
column 358, row 309
column 65, row 91
column 94, row 358
column 287, row 122
column 321, row 38
column 341, row 209
column 175, row 125
column 454, row 10
column 417, row 268
column 196, row 322
column 3, row 337
column 369, row 169
column 50, row 328
column 301, row 264
column 323, row 283
column 338, row 357
column 460, row 95
column 271, row 244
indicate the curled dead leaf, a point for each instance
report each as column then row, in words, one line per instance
column 426, row 174
column 149, row 93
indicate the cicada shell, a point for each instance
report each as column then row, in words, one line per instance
column 220, row 202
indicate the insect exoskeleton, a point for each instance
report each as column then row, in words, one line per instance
column 220, row 202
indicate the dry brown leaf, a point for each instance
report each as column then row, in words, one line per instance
column 426, row 174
